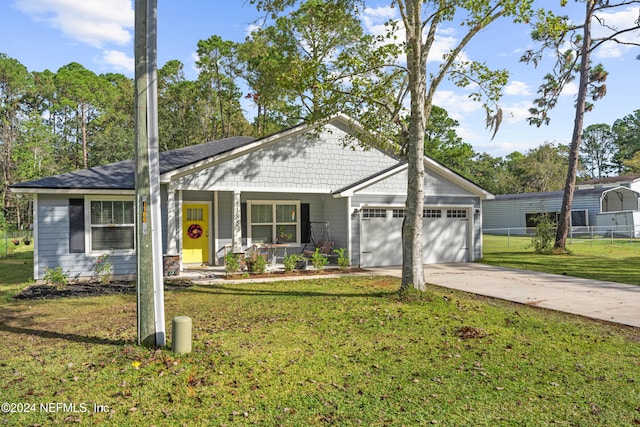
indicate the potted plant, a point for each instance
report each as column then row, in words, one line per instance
column 283, row 236
column 27, row 240
column 16, row 241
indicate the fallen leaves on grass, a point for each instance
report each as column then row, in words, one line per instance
column 469, row 332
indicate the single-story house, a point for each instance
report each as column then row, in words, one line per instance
column 598, row 205
column 271, row 188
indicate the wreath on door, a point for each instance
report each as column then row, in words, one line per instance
column 194, row 231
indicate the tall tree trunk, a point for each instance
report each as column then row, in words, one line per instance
column 567, row 199
column 412, row 267
column 85, row 150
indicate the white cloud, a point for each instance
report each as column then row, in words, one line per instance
column 374, row 19
column 501, row 148
column 458, row 105
column 93, row 22
column 570, row 89
column 517, row 112
column 618, row 20
column 517, row 88
column 118, row 60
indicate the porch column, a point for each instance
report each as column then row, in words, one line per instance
column 172, row 247
column 236, row 237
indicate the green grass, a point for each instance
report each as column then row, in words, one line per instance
column 605, row 259
column 320, row 352
column 345, row 352
column 16, row 272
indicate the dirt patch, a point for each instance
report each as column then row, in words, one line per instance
column 470, row 332
column 279, row 274
column 74, row 290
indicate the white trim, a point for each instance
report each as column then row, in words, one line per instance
column 285, row 190
column 369, row 182
column 179, row 234
column 214, row 212
column 172, row 247
column 88, row 249
column 349, row 233
column 273, row 203
column 35, row 237
column 65, row 191
column 441, row 195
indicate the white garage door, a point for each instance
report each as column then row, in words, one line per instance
column 444, row 236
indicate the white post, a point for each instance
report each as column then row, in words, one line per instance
column 154, row 170
column 172, row 246
column 236, row 240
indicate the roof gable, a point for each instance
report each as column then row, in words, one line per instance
column 439, row 180
column 314, row 158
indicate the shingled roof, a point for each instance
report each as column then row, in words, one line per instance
column 121, row 175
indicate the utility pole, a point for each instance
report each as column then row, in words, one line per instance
column 149, row 284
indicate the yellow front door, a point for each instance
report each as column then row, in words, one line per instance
column 195, row 233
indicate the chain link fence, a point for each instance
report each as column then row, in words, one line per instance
column 11, row 240
column 623, row 235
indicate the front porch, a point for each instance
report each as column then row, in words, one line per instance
column 202, row 227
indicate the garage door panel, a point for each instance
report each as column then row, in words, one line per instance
column 383, row 242
column 444, row 240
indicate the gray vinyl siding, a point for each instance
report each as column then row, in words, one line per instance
column 434, row 185
column 336, row 212
column 53, row 243
column 509, row 211
column 225, row 223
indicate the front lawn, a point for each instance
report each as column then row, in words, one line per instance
column 616, row 260
column 16, row 272
column 343, row 352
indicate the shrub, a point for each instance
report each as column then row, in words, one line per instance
column 102, row 270
column 56, row 277
column 259, row 264
column 292, row 261
column 343, row 260
column 289, row 262
column 544, row 236
column 318, row 260
column 231, row 263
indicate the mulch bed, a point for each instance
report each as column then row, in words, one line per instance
column 74, row 290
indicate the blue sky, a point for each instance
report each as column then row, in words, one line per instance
column 48, row 34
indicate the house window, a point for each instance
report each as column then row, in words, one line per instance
column 398, row 213
column 432, row 213
column 195, row 214
column 374, row 213
column 456, row 213
column 112, row 225
column 274, row 222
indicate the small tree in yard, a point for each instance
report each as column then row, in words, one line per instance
column 377, row 85
column 542, row 240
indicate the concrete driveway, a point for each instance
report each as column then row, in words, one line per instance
column 610, row 301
